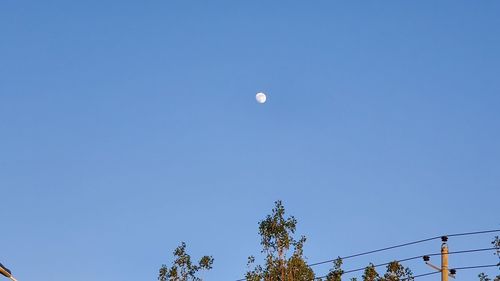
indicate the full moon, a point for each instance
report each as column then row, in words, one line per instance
column 260, row 97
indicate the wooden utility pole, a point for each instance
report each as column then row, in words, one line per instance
column 444, row 269
column 444, row 259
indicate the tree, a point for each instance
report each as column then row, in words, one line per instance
column 396, row 272
column 182, row 268
column 276, row 232
column 336, row 272
column 284, row 258
column 496, row 244
column 370, row 273
column 483, row 277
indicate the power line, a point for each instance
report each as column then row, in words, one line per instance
column 419, row 257
column 462, row 268
column 402, row 279
column 375, row 251
column 477, row 266
column 406, row 244
column 432, row 273
column 420, row 275
column 435, row 272
column 473, row 233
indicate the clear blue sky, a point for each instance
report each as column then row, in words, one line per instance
column 129, row 126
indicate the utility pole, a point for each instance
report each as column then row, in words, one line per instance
column 444, row 259
column 444, row 269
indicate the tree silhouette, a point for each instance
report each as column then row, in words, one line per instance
column 276, row 232
column 182, row 268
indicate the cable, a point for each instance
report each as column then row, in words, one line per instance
column 418, row 257
column 425, row 274
column 399, row 246
column 435, row 272
column 420, row 275
column 375, row 251
column 405, row 244
column 477, row 266
column 473, row 233
column 402, row 279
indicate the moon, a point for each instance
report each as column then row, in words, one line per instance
column 261, row 97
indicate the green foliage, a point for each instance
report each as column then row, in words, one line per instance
column 496, row 245
column 183, row 268
column 370, row 273
column 396, row 272
column 336, row 272
column 277, row 240
column 276, row 232
column 483, row 277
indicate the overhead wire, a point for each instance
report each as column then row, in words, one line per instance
column 473, row 233
column 435, row 272
column 402, row 279
column 421, row 256
column 477, row 266
column 420, row 275
column 404, row 245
